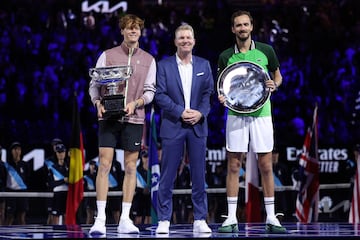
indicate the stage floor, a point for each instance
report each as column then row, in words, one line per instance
column 254, row 231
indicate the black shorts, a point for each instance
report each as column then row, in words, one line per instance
column 90, row 203
column 128, row 134
column 17, row 205
column 59, row 203
column 142, row 204
column 114, row 203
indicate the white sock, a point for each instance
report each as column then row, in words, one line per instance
column 101, row 205
column 125, row 214
column 269, row 203
column 232, row 206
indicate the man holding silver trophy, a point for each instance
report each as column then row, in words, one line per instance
column 244, row 87
column 122, row 83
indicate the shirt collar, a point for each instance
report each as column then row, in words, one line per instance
column 252, row 46
column 178, row 60
column 126, row 48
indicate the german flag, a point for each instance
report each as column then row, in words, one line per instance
column 76, row 186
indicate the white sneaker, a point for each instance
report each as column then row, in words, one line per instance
column 273, row 226
column 229, row 221
column 200, row 226
column 163, row 227
column 273, row 221
column 99, row 227
column 127, row 226
column 230, row 225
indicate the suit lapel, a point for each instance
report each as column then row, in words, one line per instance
column 175, row 70
column 194, row 82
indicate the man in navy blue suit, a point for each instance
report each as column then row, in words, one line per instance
column 184, row 86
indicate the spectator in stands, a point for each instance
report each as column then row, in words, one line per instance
column 280, row 170
column 217, row 204
column 17, row 175
column 54, row 143
column 89, row 186
column 49, row 161
column 183, row 208
column 116, row 180
column 281, row 178
column 42, row 37
column 184, row 87
column 58, row 182
column 142, row 198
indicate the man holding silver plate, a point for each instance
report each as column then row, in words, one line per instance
column 122, row 83
column 244, row 87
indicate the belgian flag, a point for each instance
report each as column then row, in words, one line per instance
column 76, row 186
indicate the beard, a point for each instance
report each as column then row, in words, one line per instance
column 242, row 38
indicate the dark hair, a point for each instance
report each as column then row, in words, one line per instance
column 144, row 153
column 93, row 162
column 357, row 147
column 60, row 147
column 240, row 13
column 56, row 141
column 14, row 145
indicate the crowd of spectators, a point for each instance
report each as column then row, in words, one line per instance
column 46, row 50
column 48, row 46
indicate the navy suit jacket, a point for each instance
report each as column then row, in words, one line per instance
column 170, row 96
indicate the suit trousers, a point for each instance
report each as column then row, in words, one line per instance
column 172, row 155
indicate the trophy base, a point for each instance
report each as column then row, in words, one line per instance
column 114, row 106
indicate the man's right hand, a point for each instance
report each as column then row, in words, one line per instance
column 100, row 108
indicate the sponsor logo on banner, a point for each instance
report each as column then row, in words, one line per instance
column 104, row 6
column 215, row 157
column 329, row 158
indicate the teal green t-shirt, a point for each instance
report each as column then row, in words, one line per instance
column 263, row 55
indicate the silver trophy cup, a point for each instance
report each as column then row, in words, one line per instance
column 113, row 81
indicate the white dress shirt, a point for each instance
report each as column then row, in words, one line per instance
column 185, row 71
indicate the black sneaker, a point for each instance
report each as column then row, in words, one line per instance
column 269, row 228
column 232, row 228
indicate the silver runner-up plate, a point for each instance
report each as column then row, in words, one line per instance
column 243, row 85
